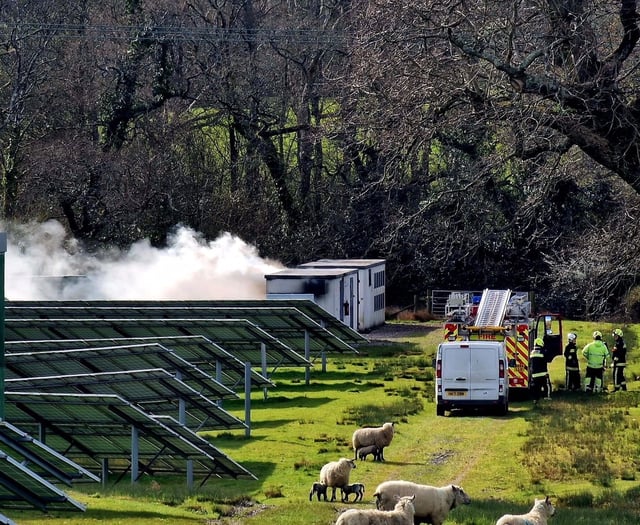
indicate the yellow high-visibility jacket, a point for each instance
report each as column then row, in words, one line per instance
column 596, row 353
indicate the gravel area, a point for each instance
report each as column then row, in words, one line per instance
column 390, row 331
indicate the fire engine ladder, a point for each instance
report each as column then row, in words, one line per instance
column 492, row 307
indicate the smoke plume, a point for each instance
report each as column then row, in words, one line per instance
column 43, row 263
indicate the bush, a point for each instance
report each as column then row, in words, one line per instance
column 632, row 304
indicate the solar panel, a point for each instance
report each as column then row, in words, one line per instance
column 20, row 488
column 310, row 309
column 114, row 359
column 287, row 323
column 90, row 428
column 40, row 458
column 241, row 338
column 197, row 350
column 155, row 391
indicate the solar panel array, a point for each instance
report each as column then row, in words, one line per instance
column 122, row 387
column 92, row 427
column 198, row 351
column 282, row 318
column 40, row 458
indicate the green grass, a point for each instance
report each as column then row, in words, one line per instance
column 582, row 451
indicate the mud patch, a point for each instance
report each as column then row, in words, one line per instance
column 239, row 513
column 441, row 457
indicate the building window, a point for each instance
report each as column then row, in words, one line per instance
column 378, row 302
column 378, row 279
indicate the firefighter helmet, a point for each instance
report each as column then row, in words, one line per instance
column 538, row 342
column 572, row 337
column 617, row 332
column 597, row 334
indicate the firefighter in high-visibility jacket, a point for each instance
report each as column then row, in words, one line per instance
column 572, row 364
column 540, row 383
column 619, row 361
column 596, row 353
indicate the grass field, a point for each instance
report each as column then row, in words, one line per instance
column 581, row 450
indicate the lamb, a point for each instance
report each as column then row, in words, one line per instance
column 319, row 489
column 432, row 504
column 336, row 474
column 379, row 436
column 542, row 510
column 356, row 488
column 371, row 449
column 402, row 514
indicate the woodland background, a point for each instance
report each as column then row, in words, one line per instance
column 470, row 144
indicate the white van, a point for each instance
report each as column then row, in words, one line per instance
column 472, row 374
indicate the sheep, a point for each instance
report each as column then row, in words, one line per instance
column 432, row 504
column 356, row 488
column 379, row 436
column 542, row 510
column 402, row 514
column 319, row 489
column 336, row 474
column 371, row 449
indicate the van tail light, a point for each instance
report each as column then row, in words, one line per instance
column 439, row 369
column 501, row 369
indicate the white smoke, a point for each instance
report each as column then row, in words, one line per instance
column 43, row 263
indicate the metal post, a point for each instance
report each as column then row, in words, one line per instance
column 3, row 249
column 247, row 398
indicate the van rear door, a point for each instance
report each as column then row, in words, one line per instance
column 470, row 372
column 456, row 372
column 484, row 373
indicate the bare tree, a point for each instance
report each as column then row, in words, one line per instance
column 28, row 54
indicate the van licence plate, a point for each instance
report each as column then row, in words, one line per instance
column 455, row 393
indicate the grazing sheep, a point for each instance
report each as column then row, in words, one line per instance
column 402, row 514
column 432, row 504
column 542, row 510
column 336, row 474
column 378, row 436
column 319, row 489
column 371, row 449
column 356, row 488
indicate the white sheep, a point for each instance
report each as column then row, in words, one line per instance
column 432, row 504
column 402, row 514
column 378, row 436
column 336, row 474
column 542, row 510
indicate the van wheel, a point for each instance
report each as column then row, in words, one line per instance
column 503, row 409
column 439, row 410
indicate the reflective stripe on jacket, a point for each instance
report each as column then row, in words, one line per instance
column 538, row 364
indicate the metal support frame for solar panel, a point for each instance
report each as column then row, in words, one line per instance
column 96, row 428
column 4, row 520
column 155, row 391
column 40, row 458
column 21, row 488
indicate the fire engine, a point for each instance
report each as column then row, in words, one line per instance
column 503, row 315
